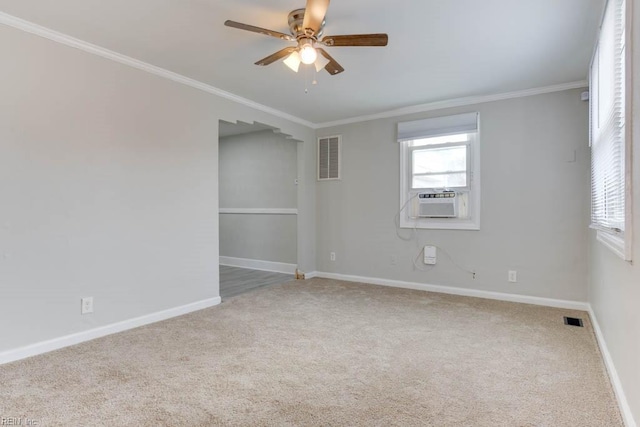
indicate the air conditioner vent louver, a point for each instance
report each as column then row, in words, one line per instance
column 329, row 158
column 437, row 205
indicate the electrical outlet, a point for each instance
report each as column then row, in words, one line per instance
column 513, row 276
column 86, row 305
column 332, row 256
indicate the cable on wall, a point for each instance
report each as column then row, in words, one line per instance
column 414, row 234
column 396, row 221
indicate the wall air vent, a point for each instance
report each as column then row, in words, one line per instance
column 329, row 158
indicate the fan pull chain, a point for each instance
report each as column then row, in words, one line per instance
column 309, row 77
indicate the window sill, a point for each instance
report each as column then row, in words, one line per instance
column 614, row 243
column 440, row 224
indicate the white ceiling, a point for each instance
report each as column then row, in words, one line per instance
column 438, row 50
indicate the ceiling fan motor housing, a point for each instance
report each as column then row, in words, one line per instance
column 296, row 17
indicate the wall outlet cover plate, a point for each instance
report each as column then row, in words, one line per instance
column 86, row 305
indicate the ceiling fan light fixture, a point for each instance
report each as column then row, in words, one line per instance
column 308, row 53
column 293, row 61
column 321, row 62
column 306, row 26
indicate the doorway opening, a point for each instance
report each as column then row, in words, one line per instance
column 258, row 178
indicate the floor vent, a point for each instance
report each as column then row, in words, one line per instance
column 573, row 321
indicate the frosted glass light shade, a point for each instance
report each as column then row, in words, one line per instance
column 321, row 62
column 293, row 61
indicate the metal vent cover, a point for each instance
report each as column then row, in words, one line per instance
column 329, row 158
column 573, row 321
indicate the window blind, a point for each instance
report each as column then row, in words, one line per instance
column 437, row 126
column 607, row 123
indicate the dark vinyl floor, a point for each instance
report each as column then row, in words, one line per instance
column 235, row 281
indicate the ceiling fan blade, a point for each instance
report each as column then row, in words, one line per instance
column 332, row 67
column 314, row 14
column 357, row 40
column 276, row 56
column 253, row 29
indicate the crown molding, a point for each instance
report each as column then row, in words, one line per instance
column 73, row 42
column 458, row 102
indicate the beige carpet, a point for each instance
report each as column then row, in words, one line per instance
column 323, row 352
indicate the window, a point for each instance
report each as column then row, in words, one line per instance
column 438, row 156
column 439, row 162
column 610, row 211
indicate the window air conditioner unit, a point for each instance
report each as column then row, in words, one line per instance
column 437, row 204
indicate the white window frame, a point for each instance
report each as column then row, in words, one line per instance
column 408, row 194
column 619, row 238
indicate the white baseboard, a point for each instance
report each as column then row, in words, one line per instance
column 79, row 337
column 311, row 275
column 256, row 264
column 623, row 404
column 549, row 302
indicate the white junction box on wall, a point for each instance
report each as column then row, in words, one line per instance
column 430, row 255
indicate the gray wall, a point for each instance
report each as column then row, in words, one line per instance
column 109, row 183
column 534, row 203
column 614, row 291
column 258, row 170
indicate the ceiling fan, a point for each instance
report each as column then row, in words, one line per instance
column 307, row 26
